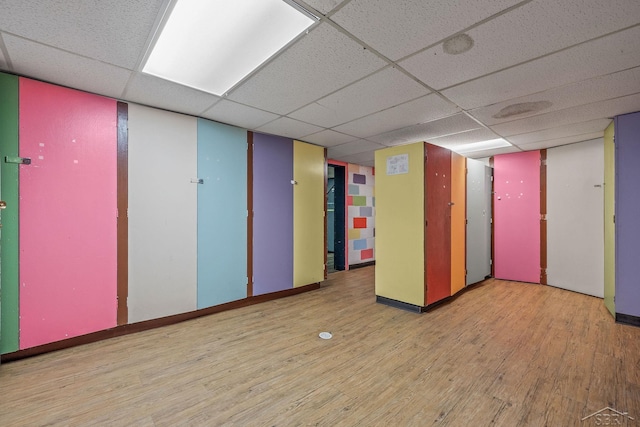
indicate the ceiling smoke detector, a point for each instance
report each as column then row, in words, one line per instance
column 457, row 44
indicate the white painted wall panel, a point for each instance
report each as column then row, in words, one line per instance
column 575, row 209
column 478, row 221
column 162, row 213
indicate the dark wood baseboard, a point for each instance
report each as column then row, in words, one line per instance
column 362, row 264
column 627, row 319
column 152, row 324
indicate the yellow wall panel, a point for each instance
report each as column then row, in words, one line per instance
column 400, row 226
column 609, row 226
column 308, row 213
column 458, row 220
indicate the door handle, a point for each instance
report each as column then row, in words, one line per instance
column 451, row 203
column 3, row 204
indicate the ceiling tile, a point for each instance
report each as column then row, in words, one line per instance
column 592, row 126
column 379, row 91
column 561, row 141
column 284, row 126
column 426, row 131
column 328, row 138
column 468, row 137
column 488, row 153
column 399, row 28
column 585, row 92
column 155, row 92
column 322, row 62
column 583, row 113
column 353, row 147
column 239, row 115
column 324, row 6
column 603, row 56
column 115, row 31
column 363, row 159
column 532, row 30
column 421, row 110
column 52, row 65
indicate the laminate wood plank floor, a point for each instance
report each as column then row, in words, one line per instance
column 502, row 353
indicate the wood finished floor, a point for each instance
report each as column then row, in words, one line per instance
column 502, row 353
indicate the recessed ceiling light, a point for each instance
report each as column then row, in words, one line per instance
column 480, row 146
column 457, row 44
column 211, row 45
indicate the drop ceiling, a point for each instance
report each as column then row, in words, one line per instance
column 370, row 73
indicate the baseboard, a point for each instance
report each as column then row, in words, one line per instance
column 151, row 324
column 627, row 319
column 400, row 304
column 362, row 264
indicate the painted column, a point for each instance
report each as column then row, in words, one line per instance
column 609, row 220
column 627, row 132
column 400, row 229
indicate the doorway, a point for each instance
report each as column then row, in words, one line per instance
column 336, row 219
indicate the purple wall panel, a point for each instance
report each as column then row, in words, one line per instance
column 273, row 214
column 517, row 216
column 627, row 140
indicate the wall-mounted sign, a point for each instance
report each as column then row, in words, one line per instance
column 397, row 165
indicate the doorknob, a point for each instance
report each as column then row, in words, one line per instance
column 3, row 204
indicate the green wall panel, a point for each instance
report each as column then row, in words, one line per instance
column 9, row 326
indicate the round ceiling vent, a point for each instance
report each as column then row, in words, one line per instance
column 522, row 108
column 457, row 44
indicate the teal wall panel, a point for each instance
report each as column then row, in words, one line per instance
column 9, row 289
column 222, row 213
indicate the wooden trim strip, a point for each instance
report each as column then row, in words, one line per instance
column 543, row 217
column 123, row 207
column 153, row 323
column 326, row 183
column 249, row 214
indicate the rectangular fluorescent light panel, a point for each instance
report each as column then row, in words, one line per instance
column 480, row 146
column 211, row 45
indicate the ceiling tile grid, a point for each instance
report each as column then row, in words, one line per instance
column 384, row 89
column 606, row 55
column 239, row 115
column 115, row 31
column 66, row 69
column 321, row 62
column 538, row 72
column 533, row 30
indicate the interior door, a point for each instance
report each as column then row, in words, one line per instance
column 517, row 216
column 339, row 236
column 68, row 213
column 458, row 222
column 575, row 214
column 438, row 224
column 478, row 221
column 272, row 213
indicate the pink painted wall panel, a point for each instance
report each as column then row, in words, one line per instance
column 517, row 216
column 68, row 284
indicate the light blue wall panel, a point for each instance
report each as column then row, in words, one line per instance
column 222, row 213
